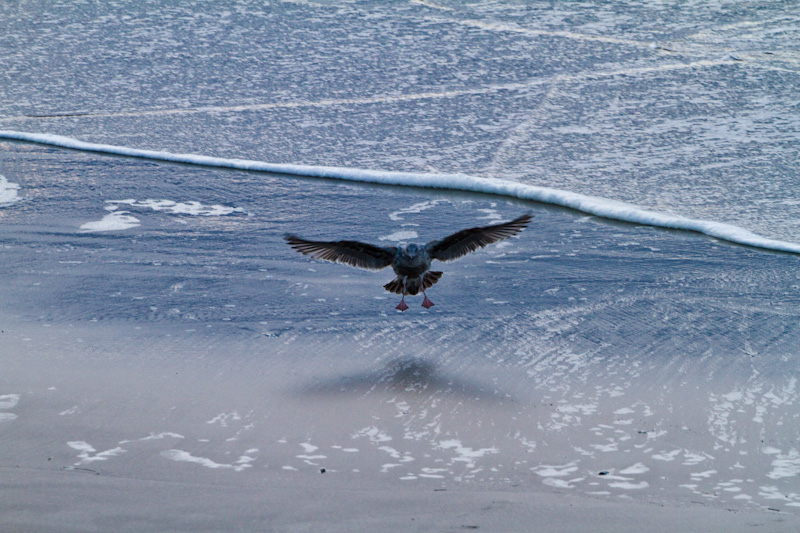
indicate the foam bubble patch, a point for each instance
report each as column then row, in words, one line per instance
column 8, row 192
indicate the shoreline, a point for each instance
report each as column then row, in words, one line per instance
column 600, row 207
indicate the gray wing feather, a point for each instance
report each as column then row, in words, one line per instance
column 468, row 240
column 353, row 253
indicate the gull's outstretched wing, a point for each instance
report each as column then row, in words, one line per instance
column 468, row 240
column 353, row 253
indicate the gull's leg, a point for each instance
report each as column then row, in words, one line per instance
column 426, row 303
column 402, row 305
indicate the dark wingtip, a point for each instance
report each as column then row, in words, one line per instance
column 294, row 241
column 524, row 219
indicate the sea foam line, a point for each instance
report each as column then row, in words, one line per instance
column 601, row 207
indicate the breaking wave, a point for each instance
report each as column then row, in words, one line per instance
column 601, row 207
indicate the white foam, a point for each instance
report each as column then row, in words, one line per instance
column 193, row 208
column 692, row 459
column 433, row 472
column 706, row 474
column 400, row 236
column 601, row 207
column 627, row 485
column 465, row 454
column 560, row 483
column 8, row 191
column 391, row 451
column 87, row 449
column 183, row 456
column 638, row 468
column 342, row 449
column 667, row 456
column 155, row 436
column 223, row 418
column 309, row 459
column 81, row 446
column 397, row 216
column 8, row 401
column 116, row 221
column 556, row 470
column 373, row 433
column 785, row 465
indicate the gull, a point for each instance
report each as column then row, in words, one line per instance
column 411, row 263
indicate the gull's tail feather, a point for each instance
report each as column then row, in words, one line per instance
column 395, row 286
column 413, row 285
column 430, row 279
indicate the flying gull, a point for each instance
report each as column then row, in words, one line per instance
column 411, row 263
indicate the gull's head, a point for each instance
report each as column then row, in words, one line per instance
column 413, row 250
